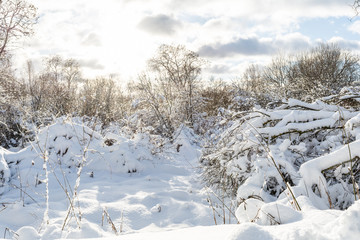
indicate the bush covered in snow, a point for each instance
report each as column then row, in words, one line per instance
column 311, row 148
column 69, row 145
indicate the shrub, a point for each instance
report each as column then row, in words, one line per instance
column 240, row 158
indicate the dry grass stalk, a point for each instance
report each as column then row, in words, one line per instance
column 15, row 234
column 105, row 213
column 327, row 193
column 212, row 206
column 223, row 203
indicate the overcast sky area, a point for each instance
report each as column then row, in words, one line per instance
column 118, row 36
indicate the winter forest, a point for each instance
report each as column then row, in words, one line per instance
column 273, row 153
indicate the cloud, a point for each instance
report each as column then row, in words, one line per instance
column 92, row 39
column 246, row 46
column 218, row 69
column 346, row 44
column 122, row 34
column 253, row 46
column 261, row 8
column 355, row 27
column 91, row 63
column 292, row 42
column 159, row 24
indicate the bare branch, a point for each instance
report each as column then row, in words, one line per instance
column 17, row 18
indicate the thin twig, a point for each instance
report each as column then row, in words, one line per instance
column 13, row 185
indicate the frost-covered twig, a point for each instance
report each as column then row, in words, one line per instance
column 327, row 193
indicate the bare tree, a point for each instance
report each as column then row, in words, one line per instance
column 321, row 71
column 53, row 90
column 177, row 64
column 53, row 66
column 158, row 98
column 102, row 98
column 17, row 18
column 279, row 74
column 71, row 72
column 177, row 69
column 324, row 70
column 252, row 80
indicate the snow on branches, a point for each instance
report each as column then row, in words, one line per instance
column 296, row 148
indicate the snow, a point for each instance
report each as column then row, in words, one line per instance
column 248, row 210
column 315, row 224
column 318, row 105
column 311, row 170
column 139, row 190
column 93, row 185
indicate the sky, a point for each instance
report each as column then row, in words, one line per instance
column 117, row 37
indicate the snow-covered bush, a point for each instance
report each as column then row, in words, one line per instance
column 294, row 146
column 69, row 145
column 348, row 97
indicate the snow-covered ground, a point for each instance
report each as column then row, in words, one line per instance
column 138, row 190
column 72, row 182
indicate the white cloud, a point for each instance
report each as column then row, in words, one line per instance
column 91, row 63
column 259, row 9
column 346, row 44
column 355, row 27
